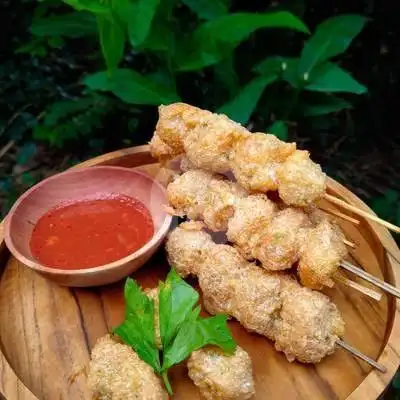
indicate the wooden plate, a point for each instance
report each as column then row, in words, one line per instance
column 47, row 331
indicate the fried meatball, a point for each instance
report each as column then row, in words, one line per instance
column 220, row 376
column 309, row 324
column 256, row 158
column 251, row 217
column 116, row 372
column 301, row 181
column 185, row 246
column 280, row 246
column 321, row 254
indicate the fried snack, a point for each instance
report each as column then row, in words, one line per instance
column 263, row 302
column 185, row 246
column 260, row 162
column 301, row 181
column 220, row 376
column 246, row 227
column 301, row 310
column 203, row 195
column 321, row 254
column 116, row 372
column 279, row 246
column 256, row 159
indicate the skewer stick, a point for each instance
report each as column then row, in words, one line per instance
column 358, row 354
column 348, row 243
column 362, row 213
column 354, row 285
column 370, row 278
column 342, row 215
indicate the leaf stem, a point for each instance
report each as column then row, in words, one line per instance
column 167, row 384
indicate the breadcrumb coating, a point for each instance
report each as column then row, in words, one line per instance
column 222, row 377
column 256, row 159
column 301, row 181
column 117, row 373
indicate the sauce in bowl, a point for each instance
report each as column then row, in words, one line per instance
column 90, row 233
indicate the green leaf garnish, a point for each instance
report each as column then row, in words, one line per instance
column 182, row 329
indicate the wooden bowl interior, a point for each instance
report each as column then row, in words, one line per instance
column 85, row 184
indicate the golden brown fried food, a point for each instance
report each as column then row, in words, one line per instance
column 116, row 372
column 220, row 376
column 246, row 227
column 321, row 254
column 279, row 246
column 210, row 139
column 309, row 324
column 256, row 158
column 185, row 247
column 264, row 302
column 301, row 181
column 205, row 196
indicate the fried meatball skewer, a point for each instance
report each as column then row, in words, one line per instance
column 305, row 325
column 277, row 238
column 260, row 162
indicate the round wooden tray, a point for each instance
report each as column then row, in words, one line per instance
column 47, row 331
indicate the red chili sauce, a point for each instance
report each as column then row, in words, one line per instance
column 90, row 233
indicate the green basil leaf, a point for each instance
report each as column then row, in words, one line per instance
column 279, row 129
column 195, row 334
column 332, row 37
column 75, row 24
column 131, row 87
column 215, row 40
column 330, row 78
column 176, row 302
column 138, row 328
column 208, row 9
column 226, row 76
column 270, row 65
column 323, row 104
column 245, row 102
column 140, row 19
column 112, row 40
column 93, row 6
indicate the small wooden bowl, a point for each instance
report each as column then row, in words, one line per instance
column 85, row 184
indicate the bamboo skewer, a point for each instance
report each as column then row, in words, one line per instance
column 360, row 355
column 370, row 278
column 341, row 215
column 362, row 213
column 354, row 285
column 348, row 243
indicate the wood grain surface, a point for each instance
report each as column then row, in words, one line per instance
column 47, row 331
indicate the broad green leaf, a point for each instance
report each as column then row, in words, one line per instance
column 215, row 40
column 245, row 102
column 273, row 64
column 332, row 37
column 208, row 9
column 195, row 334
column 74, row 24
column 226, row 76
column 279, row 129
column 176, row 302
column 137, row 330
column 324, row 104
column 139, row 20
column 93, row 6
column 331, row 78
column 131, row 87
column 112, row 40
column 290, row 74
